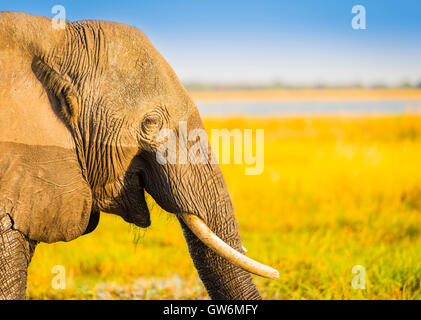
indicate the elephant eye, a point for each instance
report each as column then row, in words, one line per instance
column 151, row 124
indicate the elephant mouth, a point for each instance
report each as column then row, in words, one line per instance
column 137, row 211
column 143, row 179
column 142, row 217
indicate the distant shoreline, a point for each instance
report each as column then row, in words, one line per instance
column 306, row 95
column 308, row 115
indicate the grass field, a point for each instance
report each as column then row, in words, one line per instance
column 335, row 192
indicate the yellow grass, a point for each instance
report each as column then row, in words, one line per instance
column 335, row 193
column 307, row 95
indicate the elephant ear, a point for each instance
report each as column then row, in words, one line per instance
column 42, row 189
column 42, row 186
column 60, row 89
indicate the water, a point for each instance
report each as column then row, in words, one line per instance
column 309, row 107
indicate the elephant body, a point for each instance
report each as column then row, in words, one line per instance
column 80, row 111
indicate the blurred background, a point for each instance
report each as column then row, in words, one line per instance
column 341, row 185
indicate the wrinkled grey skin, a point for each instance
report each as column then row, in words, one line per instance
column 79, row 112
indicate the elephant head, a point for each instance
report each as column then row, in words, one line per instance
column 81, row 114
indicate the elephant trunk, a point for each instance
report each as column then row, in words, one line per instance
column 222, row 279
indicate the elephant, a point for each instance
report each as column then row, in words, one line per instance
column 81, row 110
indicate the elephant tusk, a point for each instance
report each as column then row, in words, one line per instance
column 210, row 239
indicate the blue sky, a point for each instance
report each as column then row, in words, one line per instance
column 298, row 42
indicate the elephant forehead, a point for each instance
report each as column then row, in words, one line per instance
column 136, row 72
